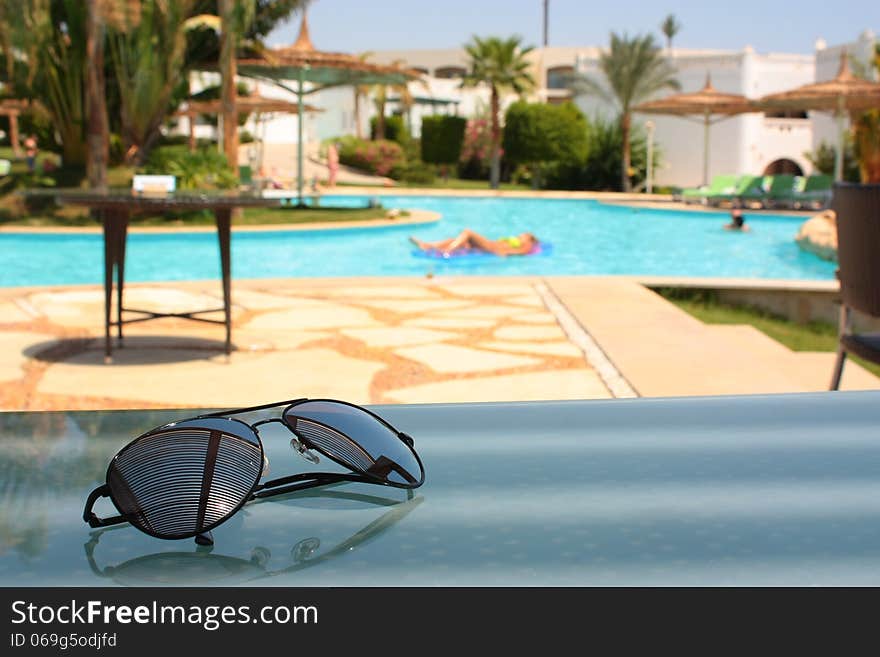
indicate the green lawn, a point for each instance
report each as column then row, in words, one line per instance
column 815, row 336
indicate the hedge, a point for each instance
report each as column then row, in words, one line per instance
column 442, row 138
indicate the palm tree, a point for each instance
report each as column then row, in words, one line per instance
column 50, row 38
column 147, row 49
column 229, row 35
column 360, row 90
column 670, row 27
column 98, row 131
column 633, row 71
column 380, row 98
column 501, row 64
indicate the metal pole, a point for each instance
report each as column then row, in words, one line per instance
column 299, row 140
column 546, row 15
column 841, row 142
column 706, row 148
column 649, row 175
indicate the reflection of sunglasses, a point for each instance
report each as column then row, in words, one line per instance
column 185, row 478
column 203, row 568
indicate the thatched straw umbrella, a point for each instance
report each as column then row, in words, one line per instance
column 845, row 93
column 254, row 103
column 709, row 104
column 303, row 63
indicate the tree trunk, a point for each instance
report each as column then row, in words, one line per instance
column 380, row 115
column 228, row 92
column 73, row 149
column 357, row 114
column 625, row 122
column 96, row 104
column 14, row 137
column 495, row 169
column 536, row 176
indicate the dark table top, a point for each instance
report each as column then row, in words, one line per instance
column 763, row 490
column 126, row 199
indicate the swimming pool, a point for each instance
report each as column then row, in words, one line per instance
column 588, row 237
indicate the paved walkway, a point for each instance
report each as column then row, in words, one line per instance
column 387, row 341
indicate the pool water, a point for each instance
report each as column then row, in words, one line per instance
column 587, row 237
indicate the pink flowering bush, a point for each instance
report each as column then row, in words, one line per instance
column 476, row 151
column 378, row 157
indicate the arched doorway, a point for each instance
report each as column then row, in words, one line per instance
column 783, row 166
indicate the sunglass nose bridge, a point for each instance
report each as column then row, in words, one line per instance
column 304, row 451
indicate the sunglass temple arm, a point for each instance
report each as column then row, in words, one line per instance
column 303, row 481
column 89, row 515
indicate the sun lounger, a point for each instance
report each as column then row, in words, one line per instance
column 816, row 192
column 781, row 192
column 744, row 185
column 722, row 184
column 776, row 191
column 757, row 192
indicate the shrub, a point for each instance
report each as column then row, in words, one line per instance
column 600, row 167
column 416, row 172
column 206, row 168
column 476, row 152
column 442, row 138
column 376, row 157
column 395, row 130
column 540, row 133
column 823, row 160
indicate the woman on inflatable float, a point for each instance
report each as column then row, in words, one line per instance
column 467, row 241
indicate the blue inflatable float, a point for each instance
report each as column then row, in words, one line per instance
column 541, row 249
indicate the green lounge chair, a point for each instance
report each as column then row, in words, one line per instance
column 816, row 191
column 744, row 186
column 722, row 184
column 781, row 192
column 757, row 192
column 776, row 191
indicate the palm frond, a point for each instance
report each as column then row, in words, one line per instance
column 633, row 69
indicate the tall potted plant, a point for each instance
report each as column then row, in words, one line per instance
column 866, row 133
column 857, row 208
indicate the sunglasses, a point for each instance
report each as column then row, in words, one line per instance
column 185, row 478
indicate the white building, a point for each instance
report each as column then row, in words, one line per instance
column 742, row 144
column 750, row 143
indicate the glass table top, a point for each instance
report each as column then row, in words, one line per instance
column 764, row 490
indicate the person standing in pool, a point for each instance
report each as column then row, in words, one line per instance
column 737, row 221
column 522, row 244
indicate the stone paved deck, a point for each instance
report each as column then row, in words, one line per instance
column 387, row 341
column 374, row 341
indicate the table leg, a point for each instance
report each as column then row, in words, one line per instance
column 109, row 242
column 224, row 219
column 121, row 236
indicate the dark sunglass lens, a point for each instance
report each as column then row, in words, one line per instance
column 184, row 479
column 360, row 441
